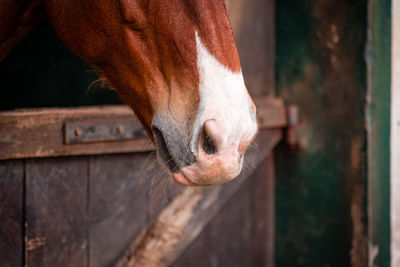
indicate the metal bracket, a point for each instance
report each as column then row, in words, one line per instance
column 102, row 131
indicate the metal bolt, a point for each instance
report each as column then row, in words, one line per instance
column 119, row 129
column 77, row 132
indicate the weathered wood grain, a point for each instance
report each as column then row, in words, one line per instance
column 39, row 133
column 224, row 241
column 242, row 232
column 271, row 113
column 56, row 212
column 11, row 213
column 253, row 23
column 183, row 220
column 261, row 243
column 125, row 193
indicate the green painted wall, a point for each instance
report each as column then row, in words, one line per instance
column 321, row 185
column 378, row 110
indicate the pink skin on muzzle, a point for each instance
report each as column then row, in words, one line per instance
column 217, row 168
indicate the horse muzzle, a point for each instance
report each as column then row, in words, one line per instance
column 216, row 159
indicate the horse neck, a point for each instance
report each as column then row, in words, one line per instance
column 18, row 18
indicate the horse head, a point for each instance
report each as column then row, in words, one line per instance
column 176, row 64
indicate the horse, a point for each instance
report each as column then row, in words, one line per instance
column 175, row 63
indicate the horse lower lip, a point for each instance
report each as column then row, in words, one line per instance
column 181, row 179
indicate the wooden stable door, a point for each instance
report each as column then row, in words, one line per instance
column 63, row 209
column 81, row 186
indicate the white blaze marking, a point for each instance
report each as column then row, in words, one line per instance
column 223, row 97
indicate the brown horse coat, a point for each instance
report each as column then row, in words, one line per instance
column 174, row 62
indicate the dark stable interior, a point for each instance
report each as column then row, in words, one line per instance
column 41, row 72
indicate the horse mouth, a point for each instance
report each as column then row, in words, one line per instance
column 181, row 179
column 163, row 151
column 211, row 166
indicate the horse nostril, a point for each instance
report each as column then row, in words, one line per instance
column 207, row 143
column 212, row 137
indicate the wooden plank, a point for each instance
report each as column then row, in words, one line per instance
column 56, row 212
column 271, row 113
column 11, row 213
column 378, row 124
column 242, row 234
column 261, row 243
column 224, row 241
column 321, row 185
column 253, row 23
column 183, row 220
column 123, row 191
column 39, row 133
